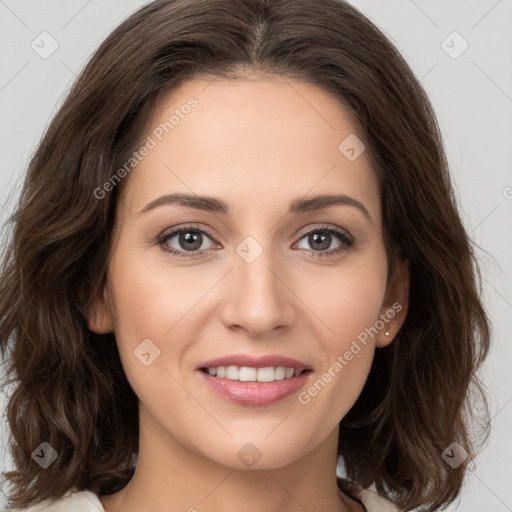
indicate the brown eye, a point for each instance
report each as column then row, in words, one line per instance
column 185, row 241
column 320, row 239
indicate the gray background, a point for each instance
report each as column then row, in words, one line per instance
column 472, row 96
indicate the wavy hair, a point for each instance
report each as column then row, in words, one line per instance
column 71, row 390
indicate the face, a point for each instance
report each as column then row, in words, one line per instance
column 262, row 270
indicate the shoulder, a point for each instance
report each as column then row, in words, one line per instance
column 372, row 501
column 87, row 501
column 376, row 503
column 77, row 501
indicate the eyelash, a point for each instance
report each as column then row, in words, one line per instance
column 346, row 240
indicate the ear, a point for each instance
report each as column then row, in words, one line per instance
column 100, row 316
column 395, row 305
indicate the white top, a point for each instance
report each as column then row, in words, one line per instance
column 87, row 501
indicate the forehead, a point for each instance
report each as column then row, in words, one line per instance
column 254, row 141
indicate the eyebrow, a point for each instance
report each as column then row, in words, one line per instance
column 214, row 205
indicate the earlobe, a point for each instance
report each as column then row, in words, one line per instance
column 100, row 318
column 395, row 306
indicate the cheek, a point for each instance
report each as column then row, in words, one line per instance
column 349, row 302
column 150, row 299
column 347, row 299
column 146, row 308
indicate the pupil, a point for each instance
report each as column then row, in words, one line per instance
column 323, row 238
column 190, row 240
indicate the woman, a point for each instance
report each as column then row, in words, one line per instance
column 236, row 262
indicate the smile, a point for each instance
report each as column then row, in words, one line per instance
column 254, row 392
column 250, row 374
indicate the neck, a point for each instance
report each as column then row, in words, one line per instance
column 168, row 473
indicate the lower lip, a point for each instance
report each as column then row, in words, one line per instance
column 255, row 393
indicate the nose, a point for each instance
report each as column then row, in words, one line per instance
column 258, row 295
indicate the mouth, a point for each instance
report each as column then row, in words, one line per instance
column 249, row 380
column 254, row 374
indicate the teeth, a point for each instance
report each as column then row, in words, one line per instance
column 249, row 374
column 280, row 373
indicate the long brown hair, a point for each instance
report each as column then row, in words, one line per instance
column 71, row 390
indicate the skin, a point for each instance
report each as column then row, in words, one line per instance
column 257, row 143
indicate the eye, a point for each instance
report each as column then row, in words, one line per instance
column 189, row 241
column 320, row 239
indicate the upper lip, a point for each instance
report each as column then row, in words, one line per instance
column 254, row 362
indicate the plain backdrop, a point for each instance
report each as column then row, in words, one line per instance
column 461, row 52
